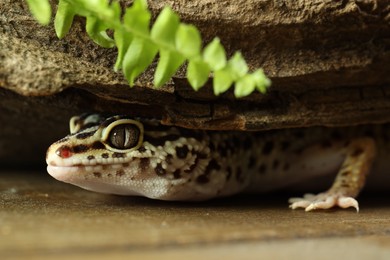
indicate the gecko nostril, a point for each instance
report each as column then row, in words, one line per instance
column 64, row 152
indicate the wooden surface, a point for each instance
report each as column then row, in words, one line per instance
column 43, row 219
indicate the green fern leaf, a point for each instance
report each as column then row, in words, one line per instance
column 238, row 66
column 63, row 19
column 137, row 17
column 167, row 66
column 188, row 40
column 138, row 57
column 122, row 41
column 197, row 73
column 97, row 31
column 244, row 86
column 261, row 80
column 165, row 27
column 41, row 10
column 222, row 81
column 214, row 55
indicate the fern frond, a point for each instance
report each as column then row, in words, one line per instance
column 138, row 44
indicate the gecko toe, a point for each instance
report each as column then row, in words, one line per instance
column 323, row 201
column 299, row 204
column 346, row 202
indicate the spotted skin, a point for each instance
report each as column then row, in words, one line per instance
column 171, row 163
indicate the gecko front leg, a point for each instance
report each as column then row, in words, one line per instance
column 349, row 181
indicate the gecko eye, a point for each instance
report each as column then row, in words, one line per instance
column 124, row 136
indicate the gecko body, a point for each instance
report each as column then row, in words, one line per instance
column 124, row 156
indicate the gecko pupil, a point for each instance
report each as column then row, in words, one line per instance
column 124, row 136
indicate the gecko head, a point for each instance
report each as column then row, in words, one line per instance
column 116, row 155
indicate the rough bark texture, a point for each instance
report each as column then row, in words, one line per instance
column 329, row 62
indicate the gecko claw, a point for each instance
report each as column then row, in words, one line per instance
column 323, row 201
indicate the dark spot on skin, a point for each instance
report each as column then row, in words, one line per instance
column 345, row 173
column 160, row 171
column 213, row 165
column 142, row 149
column 97, row 174
column 90, row 157
column 81, row 148
column 109, row 175
column 132, row 178
column 125, row 164
column 85, row 135
column 286, row 167
column 169, row 158
column 275, row 164
column 202, row 179
column 193, row 166
column 344, row 185
column 201, row 155
column 357, row 152
column 120, row 172
column 252, row 162
column 176, row 174
column 105, row 155
column 267, row 148
column 118, row 155
column 98, row 145
column 262, row 168
column 182, row 152
column 285, row 145
column 144, row 163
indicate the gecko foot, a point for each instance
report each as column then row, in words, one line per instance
column 323, row 201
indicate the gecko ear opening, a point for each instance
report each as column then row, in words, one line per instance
column 123, row 135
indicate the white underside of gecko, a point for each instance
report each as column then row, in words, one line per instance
column 119, row 155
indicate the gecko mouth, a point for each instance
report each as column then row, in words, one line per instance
column 67, row 173
column 72, row 175
column 63, row 173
